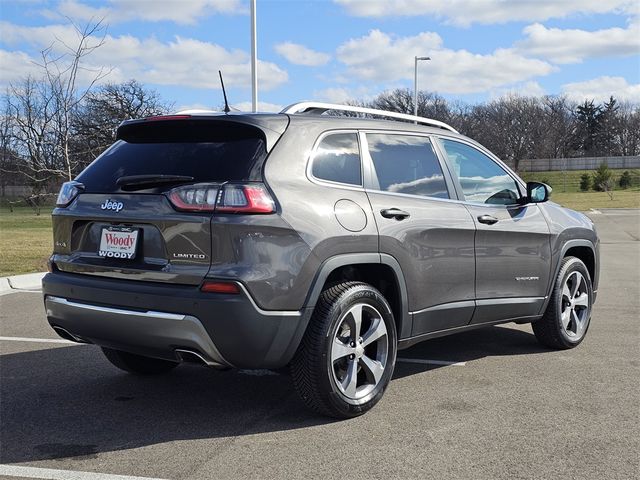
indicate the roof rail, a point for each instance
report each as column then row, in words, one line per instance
column 319, row 108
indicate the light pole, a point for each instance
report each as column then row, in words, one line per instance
column 254, row 59
column 415, row 83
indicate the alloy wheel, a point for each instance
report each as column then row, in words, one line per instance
column 575, row 305
column 359, row 351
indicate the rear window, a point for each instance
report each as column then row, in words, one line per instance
column 202, row 150
column 337, row 159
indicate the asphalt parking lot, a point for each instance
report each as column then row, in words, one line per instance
column 504, row 409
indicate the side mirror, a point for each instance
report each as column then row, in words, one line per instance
column 537, row 192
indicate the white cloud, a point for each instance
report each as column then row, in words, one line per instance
column 185, row 12
column 262, row 106
column 573, row 45
column 333, row 95
column 601, row 88
column 76, row 11
column 342, row 95
column 301, row 55
column 379, row 57
column 467, row 12
column 184, row 62
column 15, row 66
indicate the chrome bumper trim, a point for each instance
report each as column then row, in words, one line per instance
column 115, row 311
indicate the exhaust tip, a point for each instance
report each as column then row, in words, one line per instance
column 192, row 356
column 67, row 335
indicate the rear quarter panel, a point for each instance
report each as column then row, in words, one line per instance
column 309, row 208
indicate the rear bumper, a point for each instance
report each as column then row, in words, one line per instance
column 162, row 321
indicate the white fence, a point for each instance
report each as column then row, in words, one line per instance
column 16, row 191
column 585, row 163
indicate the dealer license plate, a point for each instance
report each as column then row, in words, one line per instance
column 118, row 242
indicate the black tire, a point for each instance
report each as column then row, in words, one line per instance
column 315, row 375
column 137, row 364
column 549, row 330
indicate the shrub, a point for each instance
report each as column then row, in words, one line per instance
column 602, row 178
column 625, row 180
column 585, row 182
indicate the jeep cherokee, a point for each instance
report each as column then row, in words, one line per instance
column 318, row 242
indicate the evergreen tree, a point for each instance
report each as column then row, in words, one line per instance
column 588, row 128
column 609, row 128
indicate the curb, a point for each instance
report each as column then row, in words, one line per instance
column 27, row 282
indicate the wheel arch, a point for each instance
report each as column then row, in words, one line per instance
column 379, row 270
column 581, row 249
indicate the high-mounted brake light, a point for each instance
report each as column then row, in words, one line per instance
column 68, row 192
column 245, row 198
column 167, row 117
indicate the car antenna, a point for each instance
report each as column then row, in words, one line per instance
column 226, row 103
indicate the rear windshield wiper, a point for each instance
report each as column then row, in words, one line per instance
column 140, row 182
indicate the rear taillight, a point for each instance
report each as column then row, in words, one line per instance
column 228, row 198
column 248, row 198
column 200, row 197
column 68, row 192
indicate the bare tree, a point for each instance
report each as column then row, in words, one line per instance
column 628, row 130
column 42, row 109
column 30, row 108
column 104, row 109
column 61, row 73
column 558, row 127
column 8, row 157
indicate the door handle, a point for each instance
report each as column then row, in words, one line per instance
column 394, row 213
column 487, row 219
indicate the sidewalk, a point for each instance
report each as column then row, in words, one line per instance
column 27, row 282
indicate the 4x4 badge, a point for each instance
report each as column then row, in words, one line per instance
column 111, row 205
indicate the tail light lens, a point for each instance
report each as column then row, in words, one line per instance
column 228, row 198
column 68, row 192
column 249, row 198
column 200, row 197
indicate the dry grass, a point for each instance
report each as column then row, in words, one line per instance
column 584, row 201
column 25, row 241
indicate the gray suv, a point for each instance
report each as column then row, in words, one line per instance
column 324, row 243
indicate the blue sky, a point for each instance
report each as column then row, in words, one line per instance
column 334, row 50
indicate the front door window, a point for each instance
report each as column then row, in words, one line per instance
column 482, row 179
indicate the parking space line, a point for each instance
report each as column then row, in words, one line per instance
column 430, row 362
column 38, row 340
column 51, row 474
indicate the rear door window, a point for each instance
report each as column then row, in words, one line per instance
column 406, row 164
column 337, row 159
